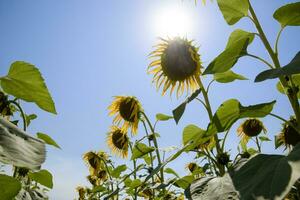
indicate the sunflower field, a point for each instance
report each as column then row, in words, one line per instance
column 143, row 169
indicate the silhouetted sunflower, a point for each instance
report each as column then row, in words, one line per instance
column 288, row 135
column 118, row 141
column 177, row 65
column 250, row 128
column 126, row 109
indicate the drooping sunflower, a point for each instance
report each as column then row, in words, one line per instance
column 118, row 141
column 250, row 128
column 177, row 64
column 126, row 109
column 81, row 192
column 288, row 135
column 93, row 160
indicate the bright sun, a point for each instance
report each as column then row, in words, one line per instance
column 172, row 22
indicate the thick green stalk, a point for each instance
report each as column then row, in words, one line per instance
column 134, row 174
column 291, row 95
column 156, row 146
column 210, row 114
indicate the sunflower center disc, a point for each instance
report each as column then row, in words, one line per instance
column 252, row 127
column 119, row 139
column 177, row 62
column 126, row 110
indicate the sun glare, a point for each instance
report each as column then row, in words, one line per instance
column 173, row 22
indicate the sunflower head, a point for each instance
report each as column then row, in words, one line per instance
column 127, row 110
column 92, row 180
column 81, row 192
column 6, row 109
column 118, row 141
column 92, row 159
column 192, row 167
column 289, row 136
column 177, row 64
column 250, row 128
column 223, row 158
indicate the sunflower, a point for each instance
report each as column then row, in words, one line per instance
column 177, row 64
column 126, row 109
column 92, row 159
column 118, row 141
column 250, row 128
column 81, row 192
column 288, row 135
column 192, row 167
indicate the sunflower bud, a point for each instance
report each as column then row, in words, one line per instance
column 223, row 158
column 5, row 107
column 291, row 136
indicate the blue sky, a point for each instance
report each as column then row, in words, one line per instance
column 89, row 51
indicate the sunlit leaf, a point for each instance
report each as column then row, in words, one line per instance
column 163, row 117
column 9, row 187
column 140, row 150
column 135, row 183
column 47, row 139
column 118, row 170
column 236, row 48
column 190, row 132
column 184, row 182
column 289, row 69
column 264, row 138
column 43, row 177
column 228, row 76
column 29, row 118
column 232, row 110
column 171, row 171
column 288, row 15
column 233, row 10
column 25, row 82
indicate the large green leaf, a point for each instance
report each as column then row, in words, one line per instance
column 118, row 170
column 288, row 15
column 233, row 10
column 25, row 82
column 43, row 177
column 9, row 187
column 190, row 132
column 184, row 182
column 140, row 150
column 268, row 176
column 47, row 139
column 228, row 76
column 296, row 81
column 236, row 48
column 232, row 110
column 178, row 112
column 292, row 68
column 171, row 171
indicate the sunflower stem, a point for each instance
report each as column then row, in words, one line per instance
column 292, row 96
column 156, row 146
column 210, row 114
column 134, row 174
column 258, row 145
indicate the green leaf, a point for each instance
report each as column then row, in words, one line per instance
column 190, row 132
column 228, row 76
column 268, row 176
column 147, row 159
column 98, row 188
column 25, row 82
column 296, row 81
column 140, row 150
column 236, row 48
column 264, row 138
column 47, row 139
column 184, row 182
column 288, row 15
column 43, row 177
column 278, row 142
column 171, row 171
column 163, row 117
column 178, row 112
column 292, row 68
column 232, row 110
column 118, row 170
column 135, row 183
column 29, row 118
column 9, row 187
column 233, row 10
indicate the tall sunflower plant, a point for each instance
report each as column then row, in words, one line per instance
column 21, row 151
column 215, row 173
